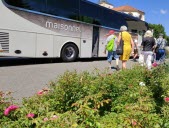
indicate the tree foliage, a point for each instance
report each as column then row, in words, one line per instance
column 157, row 29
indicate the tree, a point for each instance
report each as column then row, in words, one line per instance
column 157, row 29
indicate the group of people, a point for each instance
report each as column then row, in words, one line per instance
column 148, row 48
column 153, row 50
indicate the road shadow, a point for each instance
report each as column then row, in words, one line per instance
column 91, row 59
column 14, row 61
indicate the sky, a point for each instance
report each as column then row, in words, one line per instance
column 156, row 11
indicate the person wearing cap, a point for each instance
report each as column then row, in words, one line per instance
column 161, row 43
column 128, row 45
column 112, row 54
column 148, row 45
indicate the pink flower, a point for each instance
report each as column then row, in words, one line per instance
column 9, row 109
column 40, row 92
column 43, row 91
column 166, row 99
column 6, row 112
column 54, row 117
column 134, row 123
column 30, row 115
column 45, row 119
column 13, row 107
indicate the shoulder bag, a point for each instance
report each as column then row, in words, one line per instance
column 119, row 50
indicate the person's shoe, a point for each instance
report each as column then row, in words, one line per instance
column 117, row 68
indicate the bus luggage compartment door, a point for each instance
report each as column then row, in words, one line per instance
column 86, row 41
column 86, row 48
column 44, row 47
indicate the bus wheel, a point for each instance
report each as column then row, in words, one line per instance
column 69, row 53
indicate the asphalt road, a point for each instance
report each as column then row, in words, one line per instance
column 24, row 77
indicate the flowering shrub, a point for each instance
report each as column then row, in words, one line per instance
column 135, row 98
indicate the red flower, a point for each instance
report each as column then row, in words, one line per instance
column 166, row 99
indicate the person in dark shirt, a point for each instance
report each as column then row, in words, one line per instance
column 148, row 45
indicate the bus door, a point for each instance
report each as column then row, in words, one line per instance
column 95, row 41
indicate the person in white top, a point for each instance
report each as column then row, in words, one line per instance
column 112, row 54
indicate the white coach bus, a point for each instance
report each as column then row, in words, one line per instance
column 67, row 29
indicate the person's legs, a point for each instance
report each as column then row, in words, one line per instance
column 157, row 55
column 134, row 58
column 124, row 64
column 117, row 64
column 145, row 57
column 148, row 59
column 141, row 59
column 154, row 57
column 116, row 57
column 135, row 54
column 109, row 58
column 162, row 54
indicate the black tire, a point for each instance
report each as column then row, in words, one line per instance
column 69, row 53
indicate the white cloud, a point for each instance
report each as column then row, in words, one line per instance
column 162, row 11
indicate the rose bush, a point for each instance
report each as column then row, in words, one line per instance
column 135, row 98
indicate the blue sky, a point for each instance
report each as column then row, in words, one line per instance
column 156, row 11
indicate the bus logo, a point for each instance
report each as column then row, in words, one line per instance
column 66, row 27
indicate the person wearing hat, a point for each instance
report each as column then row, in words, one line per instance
column 160, row 52
column 112, row 53
column 148, row 45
